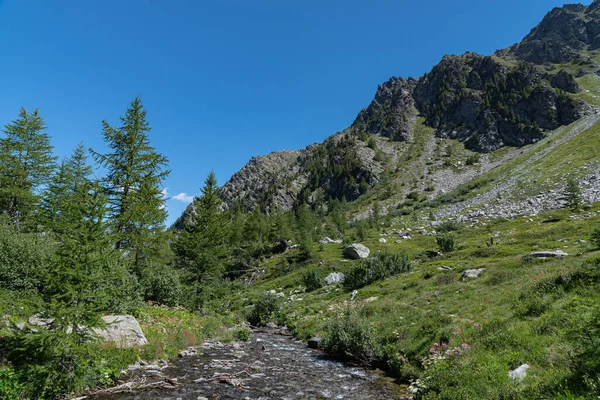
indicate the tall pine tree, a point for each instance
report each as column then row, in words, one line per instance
column 79, row 288
column 201, row 247
column 135, row 173
column 72, row 173
column 26, row 163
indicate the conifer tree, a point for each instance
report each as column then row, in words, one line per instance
column 135, row 172
column 26, row 163
column 71, row 175
column 79, row 287
column 201, row 247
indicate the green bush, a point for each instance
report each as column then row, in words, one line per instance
column 449, row 226
column 473, row 159
column 375, row 268
column 162, row 285
column 265, row 309
column 24, row 259
column 312, row 280
column 351, row 337
column 595, row 237
column 446, row 242
column 242, row 334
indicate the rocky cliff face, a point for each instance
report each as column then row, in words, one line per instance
column 488, row 103
column 392, row 112
column 341, row 167
column 561, row 35
column 484, row 101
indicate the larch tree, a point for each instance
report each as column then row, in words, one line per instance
column 26, row 164
column 71, row 174
column 201, row 247
column 135, row 173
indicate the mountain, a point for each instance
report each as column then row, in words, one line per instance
column 563, row 36
column 477, row 104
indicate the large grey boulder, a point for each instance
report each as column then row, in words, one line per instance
column 356, row 251
column 334, row 277
column 548, row 254
column 123, row 330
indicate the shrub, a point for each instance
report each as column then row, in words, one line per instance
column 162, row 285
column 595, row 237
column 473, row 159
column 446, row 242
column 24, row 259
column 265, row 309
column 242, row 334
column 312, row 280
column 449, row 226
column 351, row 337
column 378, row 267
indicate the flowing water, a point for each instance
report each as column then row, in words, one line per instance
column 266, row 367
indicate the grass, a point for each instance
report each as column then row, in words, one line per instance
column 413, row 310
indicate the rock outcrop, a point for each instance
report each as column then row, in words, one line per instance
column 488, row 104
column 392, row 112
column 561, row 36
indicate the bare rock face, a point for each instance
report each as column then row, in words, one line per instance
column 356, row 251
column 489, row 104
column 392, row 112
column 123, row 330
column 561, row 35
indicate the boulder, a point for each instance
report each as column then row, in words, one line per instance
column 382, row 240
column 123, row 330
column 518, row 374
column 472, row 273
column 356, row 251
column 548, row 254
column 334, row 277
column 315, row 342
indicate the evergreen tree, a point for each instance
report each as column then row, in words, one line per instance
column 26, row 163
column 72, row 174
column 573, row 195
column 79, row 287
column 201, row 248
column 135, row 172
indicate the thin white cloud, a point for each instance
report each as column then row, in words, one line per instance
column 164, row 194
column 184, row 198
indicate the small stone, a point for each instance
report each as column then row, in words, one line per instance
column 472, row 273
column 519, row 374
column 548, row 254
column 315, row 342
column 334, row 277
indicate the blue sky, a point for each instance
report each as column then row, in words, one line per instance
column 225, row 80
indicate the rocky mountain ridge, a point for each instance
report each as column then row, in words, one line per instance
column 485, row 102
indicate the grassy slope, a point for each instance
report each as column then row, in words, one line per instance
column 414, row 310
